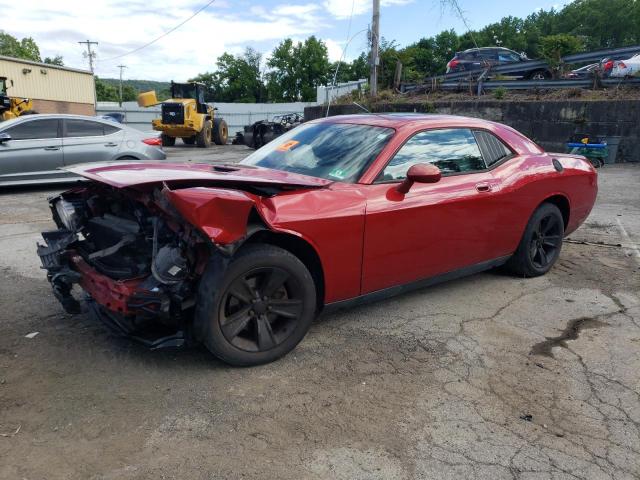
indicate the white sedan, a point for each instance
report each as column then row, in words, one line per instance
column 626, row 68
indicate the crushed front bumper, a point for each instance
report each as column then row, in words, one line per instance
column 131, row 308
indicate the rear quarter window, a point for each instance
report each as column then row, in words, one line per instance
column 492, row 148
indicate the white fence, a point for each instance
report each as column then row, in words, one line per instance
column 340, row 89
column 237, row 115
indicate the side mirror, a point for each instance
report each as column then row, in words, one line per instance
column 4, row 137
column 420, row 173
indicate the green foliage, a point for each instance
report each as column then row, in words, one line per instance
column 554, row 47
column 105, row 92
column 27, row 49
column 499, row 93
column 57, row 60
column 296, row 70
column 236, row 79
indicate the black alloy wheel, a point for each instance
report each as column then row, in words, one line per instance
column 255, row 307
column 541, row 243
column 545, row 241
column 260, row 309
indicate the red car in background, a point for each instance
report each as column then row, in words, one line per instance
column 242, row 257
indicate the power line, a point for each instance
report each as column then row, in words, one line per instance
column 90, row 54
column 161, row 36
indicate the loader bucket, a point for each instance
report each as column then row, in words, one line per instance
column 147, row 99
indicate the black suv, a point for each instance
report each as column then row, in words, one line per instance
column 481, row 58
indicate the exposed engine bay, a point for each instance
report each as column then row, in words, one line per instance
column 134, row 256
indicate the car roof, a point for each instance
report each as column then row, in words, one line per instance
column 25, row 118
column 399, row 119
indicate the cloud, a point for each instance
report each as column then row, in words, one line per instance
column 121, row 26
column 341, row 9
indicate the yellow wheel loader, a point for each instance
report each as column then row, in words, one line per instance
column 187, row 116
column 11, row 107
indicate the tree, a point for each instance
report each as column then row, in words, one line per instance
column 27, row 49
column 554, row 47
column 236, row 79
column 57, row 60
column 296, row 70
column 105, row 92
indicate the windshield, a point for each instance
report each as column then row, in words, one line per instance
column 184, row 90
column 334, row 151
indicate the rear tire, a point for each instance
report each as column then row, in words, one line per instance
column 256, row 307
column 541, row 243
column 540, row 75
column 203, row 137
column 220, row 131
column 167, row 140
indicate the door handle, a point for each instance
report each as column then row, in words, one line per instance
column 483, row 187
column 110, row 144
column 51, row 148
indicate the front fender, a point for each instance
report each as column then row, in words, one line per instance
column 221, row 214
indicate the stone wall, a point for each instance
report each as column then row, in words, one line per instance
column 549, row 123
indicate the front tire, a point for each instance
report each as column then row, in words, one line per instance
column 541, row 243
column 167, row 140
column 256, row 308
column 220, row 131
column 203, row 137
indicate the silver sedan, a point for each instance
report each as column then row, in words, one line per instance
column 33, row 148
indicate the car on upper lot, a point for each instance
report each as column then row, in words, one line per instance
column 475, row 59
column 335, row 212
column 626, row 68
column 33, row 148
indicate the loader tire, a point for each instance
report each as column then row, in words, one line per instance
column 167, row 140
column 203, row 137
column 220, row 131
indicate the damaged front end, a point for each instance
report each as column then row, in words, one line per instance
column 133, row 254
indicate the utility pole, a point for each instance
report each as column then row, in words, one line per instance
column 90, row 54
column 121, row 67
column 375, row 50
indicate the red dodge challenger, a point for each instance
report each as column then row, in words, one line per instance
column 339, row 211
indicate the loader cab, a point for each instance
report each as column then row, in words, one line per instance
column 5, row 101
column 190, row 90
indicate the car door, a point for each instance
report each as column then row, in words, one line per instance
column 86, row 140
column 34, row 151
column 434, row 228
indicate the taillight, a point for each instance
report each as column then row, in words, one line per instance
column 621, row 65
column 608, row 65
column 153, row 141
column 453, row 63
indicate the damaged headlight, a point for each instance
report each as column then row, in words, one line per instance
column 68, row 214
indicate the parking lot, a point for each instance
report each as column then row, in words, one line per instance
column 485, row 377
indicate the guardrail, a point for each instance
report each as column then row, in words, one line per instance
column 446, row 81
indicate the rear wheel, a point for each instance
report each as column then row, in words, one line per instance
column 256, row 309
column 220, row 131
column 541, row 243
column 167, row 140
column 540, row 75
column 203, row 137
column 189, row 140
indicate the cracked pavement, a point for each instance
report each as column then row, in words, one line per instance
column 486, row 377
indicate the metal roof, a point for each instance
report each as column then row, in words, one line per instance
column 44, row 65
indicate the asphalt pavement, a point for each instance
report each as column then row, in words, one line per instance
column 486, row 377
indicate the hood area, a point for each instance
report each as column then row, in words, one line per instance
column 129, row 174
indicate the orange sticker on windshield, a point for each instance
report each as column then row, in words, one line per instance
column 286, row 146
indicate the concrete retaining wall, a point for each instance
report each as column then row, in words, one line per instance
column 549, row 123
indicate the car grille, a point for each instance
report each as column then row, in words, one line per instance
column 172, row 113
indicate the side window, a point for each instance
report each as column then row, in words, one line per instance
column 451, row 150
column 492, row 148
column 34, row 129
column 109, row 129
column 489, row 54
column 84, row 128
column 507, row 56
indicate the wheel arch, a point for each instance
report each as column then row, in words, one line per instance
column 562, row 202
column 299, row 247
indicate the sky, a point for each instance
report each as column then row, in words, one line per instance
column 120, row 26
